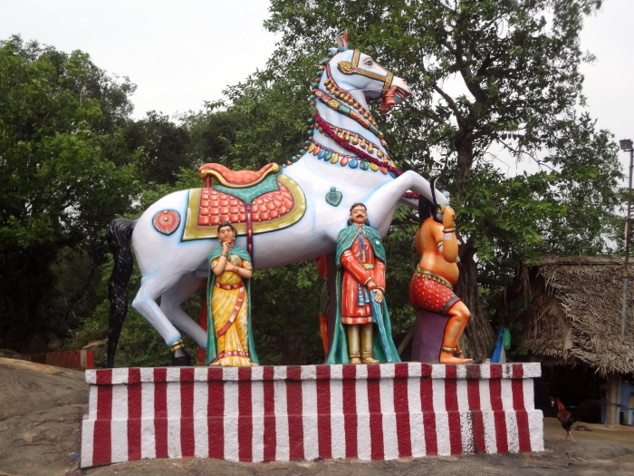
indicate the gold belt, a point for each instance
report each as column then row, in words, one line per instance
column 367, row 265
column 426, row 274
column 228, row 287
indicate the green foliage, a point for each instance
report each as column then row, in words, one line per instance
column 285, row 325
column 61, row 157
column 496, row 86
column 160, row 146
column 402, row 260
column 214, row 133
column 74, row 291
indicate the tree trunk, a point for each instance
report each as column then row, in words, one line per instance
column 464, row 163
column 479, row 336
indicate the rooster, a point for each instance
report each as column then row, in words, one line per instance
column 566, row 418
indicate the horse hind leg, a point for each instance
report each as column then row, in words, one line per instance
column 171, row 302
column 145, row 304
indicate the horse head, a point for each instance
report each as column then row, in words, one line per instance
column 361, row 75
column 345, row 131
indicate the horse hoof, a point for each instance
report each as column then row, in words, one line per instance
column 180, row 358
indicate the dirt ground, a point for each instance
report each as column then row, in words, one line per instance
column 41, row 408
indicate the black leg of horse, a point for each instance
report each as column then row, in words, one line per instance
column 118, row 234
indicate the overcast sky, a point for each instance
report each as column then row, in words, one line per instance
column 180, row 54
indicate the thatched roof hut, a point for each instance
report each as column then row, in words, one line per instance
column 574, row 313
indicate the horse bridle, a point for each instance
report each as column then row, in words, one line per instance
column 353, row 68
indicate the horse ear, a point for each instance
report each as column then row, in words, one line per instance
column 342, row 38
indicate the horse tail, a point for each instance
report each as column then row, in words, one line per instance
column 432, row 186
column 422, row 204
column 427, row 208
column 118, row 234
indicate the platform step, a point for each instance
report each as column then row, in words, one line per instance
column 282, row 413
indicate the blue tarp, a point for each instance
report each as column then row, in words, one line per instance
column 503, row 344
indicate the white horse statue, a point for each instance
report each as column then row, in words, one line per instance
column 283, row 215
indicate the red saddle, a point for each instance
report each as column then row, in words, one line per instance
column 253, row 201
column 235, row 178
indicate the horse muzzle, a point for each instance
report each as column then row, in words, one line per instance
column 394, row 95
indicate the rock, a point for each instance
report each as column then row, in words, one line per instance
column 41, row 408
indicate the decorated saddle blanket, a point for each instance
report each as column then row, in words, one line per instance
column 274, row 202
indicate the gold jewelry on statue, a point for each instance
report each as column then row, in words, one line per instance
column 449, row 230
column 451, row 350
column 426, row 274
column 177, row 345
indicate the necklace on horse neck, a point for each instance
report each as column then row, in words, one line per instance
column 331, row 85
column 347, row 98
column 352, row 139
column 344, row 109
column 326, row 129
column 334, row 157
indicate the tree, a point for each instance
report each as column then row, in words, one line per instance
column 215, row 134
column 262, row 120
column 161, row 147
column 66, row 174
column 494, row 82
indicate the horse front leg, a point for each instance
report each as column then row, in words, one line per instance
column 382, row 203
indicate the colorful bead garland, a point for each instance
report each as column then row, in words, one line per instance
column 346, row 145
column 334, row 157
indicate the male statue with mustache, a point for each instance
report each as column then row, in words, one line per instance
column 360, row 259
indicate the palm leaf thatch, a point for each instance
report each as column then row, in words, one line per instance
column 574, row 313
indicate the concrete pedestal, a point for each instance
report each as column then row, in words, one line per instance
column 368, row 412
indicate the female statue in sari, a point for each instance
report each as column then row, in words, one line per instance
column 229, row 336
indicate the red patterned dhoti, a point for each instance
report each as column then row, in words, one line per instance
column 429, row 291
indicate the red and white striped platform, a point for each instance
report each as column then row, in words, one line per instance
column 368, row 412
